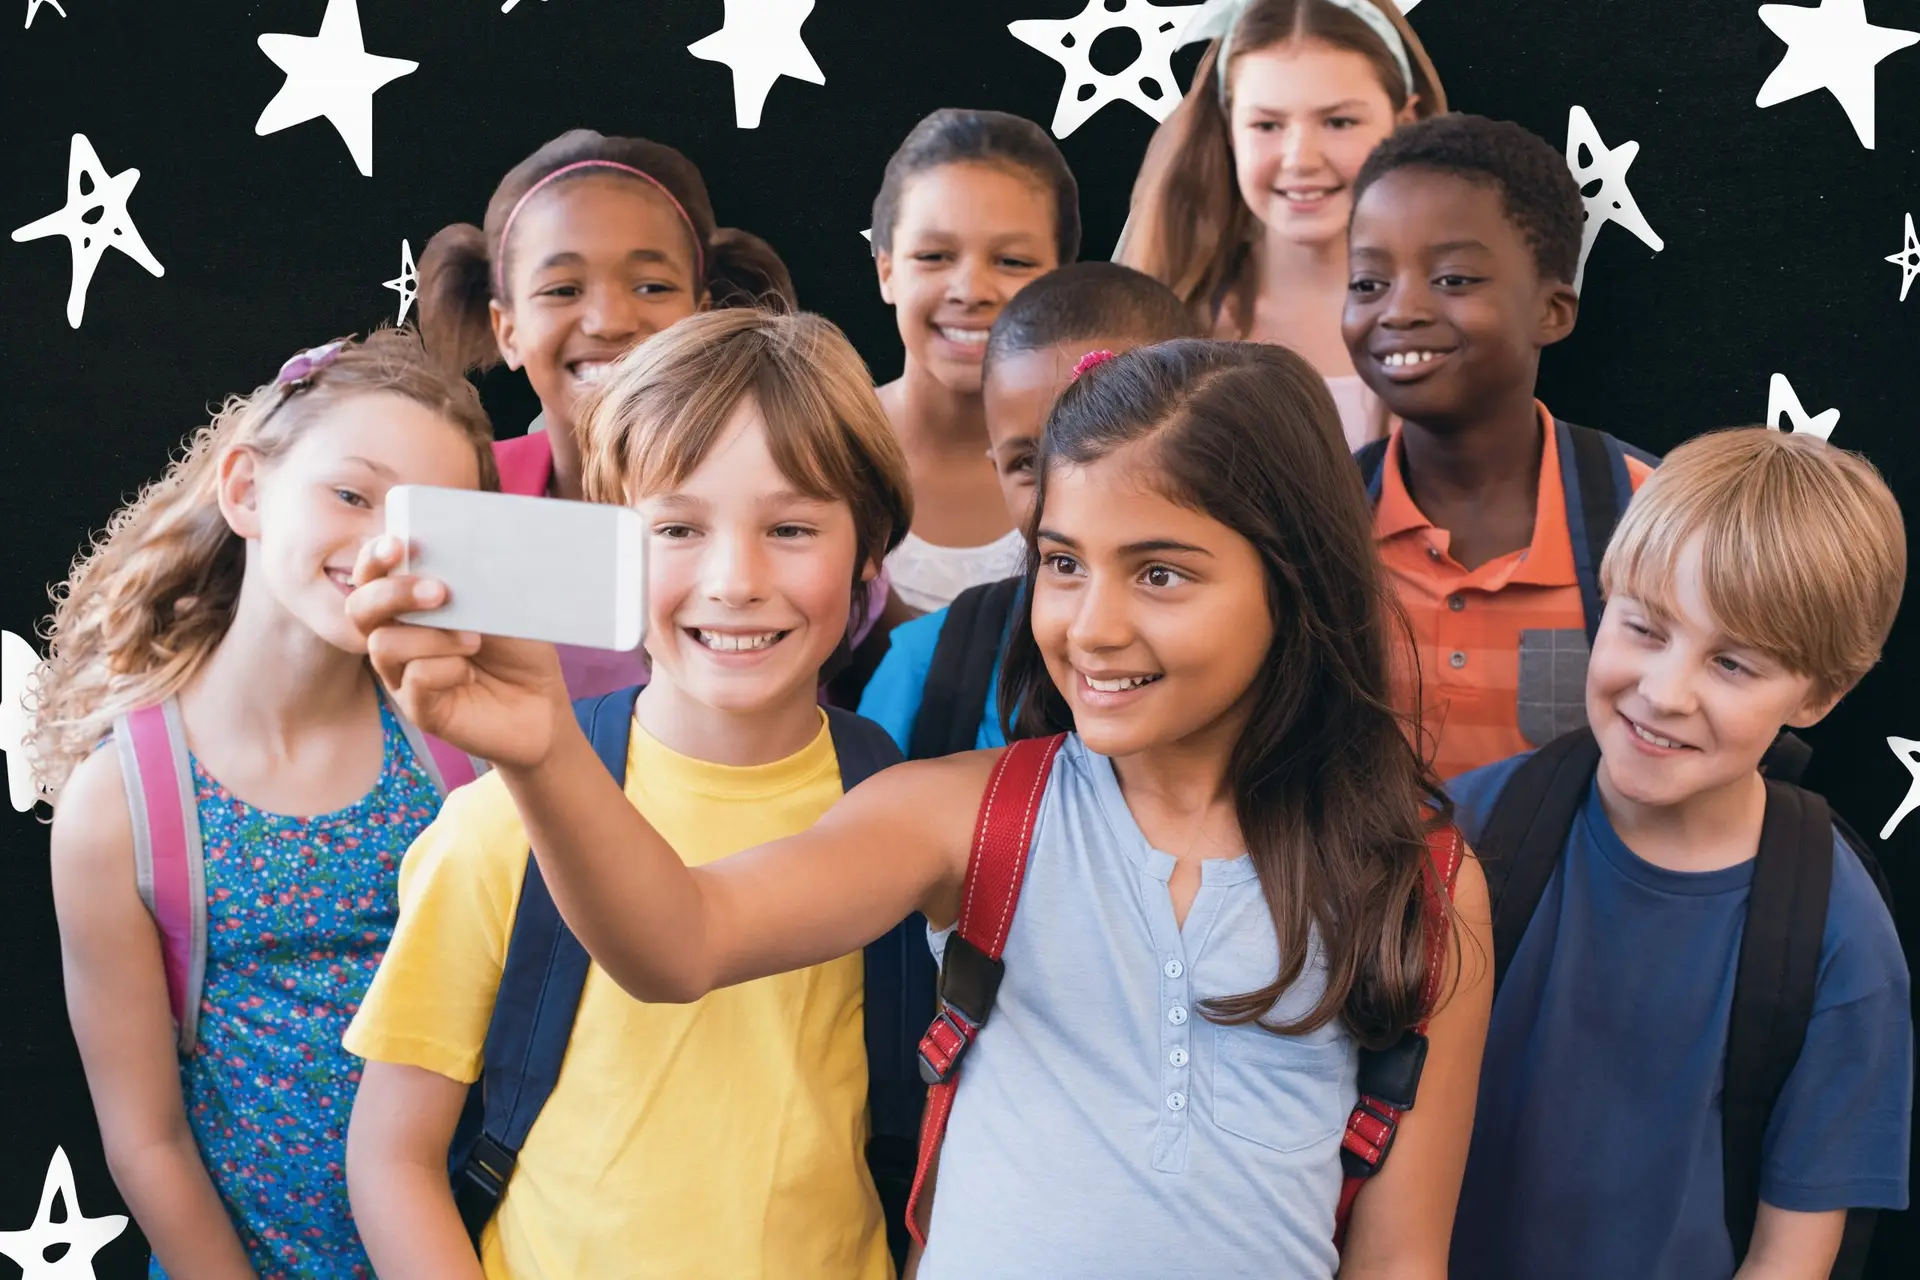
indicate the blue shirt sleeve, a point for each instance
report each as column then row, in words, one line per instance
column 1474, row 792
column 892, row 697
column 1840, row 1134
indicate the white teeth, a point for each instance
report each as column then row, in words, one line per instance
column 729, row 642
column 590, row 371
column 967, row 337
column 1402, row 359
column 1306, row 195
column 1118, row 686
column 1648, row 735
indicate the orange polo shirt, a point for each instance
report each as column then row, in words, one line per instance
column 1502, row 648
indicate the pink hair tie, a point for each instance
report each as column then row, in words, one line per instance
column 506, row 228
column 1089, row 360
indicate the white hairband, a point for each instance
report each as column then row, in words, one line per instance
column 1217, row 19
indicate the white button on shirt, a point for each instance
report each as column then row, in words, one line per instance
column 1178, row 1057
column 1176, row 1101
column 1174, row 969
column 1177, row 1015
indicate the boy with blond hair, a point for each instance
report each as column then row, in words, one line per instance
column 1701, row 1052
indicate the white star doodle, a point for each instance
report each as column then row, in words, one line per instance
column 407, row 283
column 1832, row 48
column 1781, row 400
column 508, row 6
column 17, row 663
column 60, row 1248
column 1909, row 752
column 330, row 75
column 1069, row 42
column 33, row 8
column 1610, row 201
column 759, row 42
column 1908, row 260
column 90, row 239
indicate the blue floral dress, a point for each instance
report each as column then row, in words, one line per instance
column 299, row 911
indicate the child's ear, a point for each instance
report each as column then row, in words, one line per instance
column 1409, row 113
column 503, row 333
column 883, row 266
column 238, row 488
column 1816, row 709
column 1559, row 312
column 870, row 570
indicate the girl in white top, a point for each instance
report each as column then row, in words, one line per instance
column 1241, row 206
column 974, row 205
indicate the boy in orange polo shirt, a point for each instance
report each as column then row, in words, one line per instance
column 1491, row 516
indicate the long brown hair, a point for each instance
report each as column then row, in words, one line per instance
column 1327, row 785
column 154, row 594
column 462, row 264
column 1188, row 227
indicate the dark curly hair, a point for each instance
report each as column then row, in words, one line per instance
column 1539, row 192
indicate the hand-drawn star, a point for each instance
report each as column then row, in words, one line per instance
column 508, row 6
column 1782, row 400
column 407, row 283
column 1069, row 42
column 330, row 75
column 1832, row 48
column 17, row 663
column 760, row 42
column 94, row 218
column 1908, row 260
column 33, row 7
column 1591, row 161
column 1909, row 752
column 60, row 1248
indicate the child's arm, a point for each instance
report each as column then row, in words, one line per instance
column 117, row 1000
column 1403, row 1219
column 1793, row 1246
column 403, row 1122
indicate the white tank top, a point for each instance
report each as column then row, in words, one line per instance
column 929, row 577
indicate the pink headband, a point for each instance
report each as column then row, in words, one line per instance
column 1089, row 360
column 699, row 250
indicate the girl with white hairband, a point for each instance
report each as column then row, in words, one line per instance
column 1241, row 205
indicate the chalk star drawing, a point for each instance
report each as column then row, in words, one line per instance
column 1909, row 752
column 508, row 6
column 1406, row 6
column 71, row 1240
column 759, row 42
column 1610, row 201
column 330, row 75
column 17, row 662
column 1832, row 48
column 89, row 236
column 407, row 283
column 1908, row 260
column 1069, row 42
column 33, row 8
column 1782, row 400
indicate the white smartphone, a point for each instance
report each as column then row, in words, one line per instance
column 534, row 568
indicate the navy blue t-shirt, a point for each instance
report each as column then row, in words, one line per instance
column 1596, row 1146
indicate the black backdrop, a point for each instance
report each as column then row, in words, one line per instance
column 1775, row 225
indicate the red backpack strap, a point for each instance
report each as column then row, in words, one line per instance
column 970, row 973
column 169, row 866
column 1390, row 1078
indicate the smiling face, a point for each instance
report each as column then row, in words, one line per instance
column 1447, row 309
column 1304, row 116
column 967, row 237
column 307, row 512
column 749, row 580
column 596, row 263
column 1151, row 616
column 1679, row 710
column 1020, row 389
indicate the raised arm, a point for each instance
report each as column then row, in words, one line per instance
column 117, row 1001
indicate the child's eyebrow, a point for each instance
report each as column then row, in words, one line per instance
column 1146, row 547
column 378, row 468
column 1454, row 246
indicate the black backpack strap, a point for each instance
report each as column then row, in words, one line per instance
column 901, row 978
column 1371, row 457
column 1593, row 476
column 1525, row 835
column 1773, row 988
column 960, row 678
column 1787, row 759
column 540, row 986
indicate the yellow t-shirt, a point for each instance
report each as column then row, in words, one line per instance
column 723, row 1138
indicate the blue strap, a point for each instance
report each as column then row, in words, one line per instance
column 1371, row 458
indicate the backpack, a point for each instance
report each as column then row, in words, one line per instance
column 971, row 973
column 960, row 679
column 546, row 970
column 169, row 859
column 1524, row 839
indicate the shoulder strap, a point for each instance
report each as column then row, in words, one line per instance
column 1773, row 987
column 1593, row 476
column 1526, row 833
column 446, row 765
column 1370, row 457
column 540, row 985
column 960, row 679
column 862, row 747
column 168, row 858
column 1390, row 1078
column 971, row 971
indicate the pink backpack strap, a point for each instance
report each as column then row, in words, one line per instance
column 169, row 862
column 446, row 765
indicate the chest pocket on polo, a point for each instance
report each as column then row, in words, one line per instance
column 1282, row 1092
column 1553, row 684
